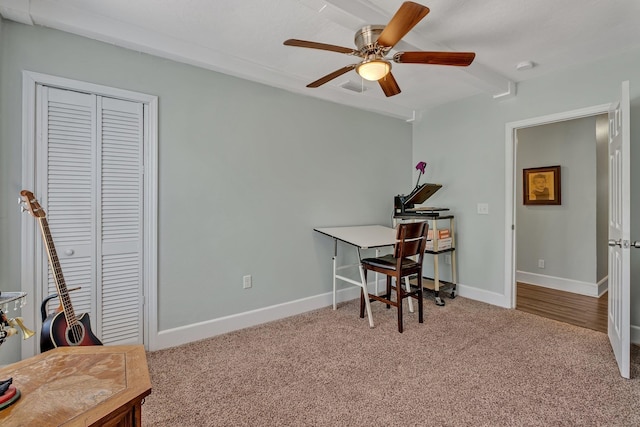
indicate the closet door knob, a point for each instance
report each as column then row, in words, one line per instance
column 69, row 252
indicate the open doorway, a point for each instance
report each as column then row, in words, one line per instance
column 561, row 249
column 619, row 220
column 585, row 285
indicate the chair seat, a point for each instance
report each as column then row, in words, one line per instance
column 389, row 262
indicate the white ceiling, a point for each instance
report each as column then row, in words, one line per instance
column 244, row 38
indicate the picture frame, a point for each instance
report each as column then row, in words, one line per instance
column 541, row 186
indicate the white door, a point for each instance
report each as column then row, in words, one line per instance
column 90, row 182
column 619, row 231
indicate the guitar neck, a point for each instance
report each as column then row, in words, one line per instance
column 58, row 277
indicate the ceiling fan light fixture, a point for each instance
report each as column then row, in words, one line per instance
column 373, row 69
column 375, row 42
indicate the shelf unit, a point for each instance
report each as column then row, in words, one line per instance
column 434, row 284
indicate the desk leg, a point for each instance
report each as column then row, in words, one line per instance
column 376, row 274
column 408, row 286
column 334, row 283
column 367, row 303
column 335, row 255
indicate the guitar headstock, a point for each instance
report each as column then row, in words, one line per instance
column 30, row 203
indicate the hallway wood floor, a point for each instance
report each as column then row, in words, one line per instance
column 579, row 310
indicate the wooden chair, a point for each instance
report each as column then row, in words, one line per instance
column 406, row 260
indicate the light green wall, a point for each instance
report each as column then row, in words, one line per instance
column 563, row 236
column 246, row 172
column 464, row 144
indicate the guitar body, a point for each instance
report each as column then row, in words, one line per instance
column 57, row 333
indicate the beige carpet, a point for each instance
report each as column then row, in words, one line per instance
column 469, row 364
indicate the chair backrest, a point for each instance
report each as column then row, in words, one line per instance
column 411, row 239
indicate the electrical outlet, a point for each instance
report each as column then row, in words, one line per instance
column 447, row 259
column 483, row 208
column 540, row 263
column 246, row 281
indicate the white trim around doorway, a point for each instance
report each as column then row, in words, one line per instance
column 510, row 187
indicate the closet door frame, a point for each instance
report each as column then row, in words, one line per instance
column 29, row 257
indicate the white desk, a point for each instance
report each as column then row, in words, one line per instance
column 360, row 237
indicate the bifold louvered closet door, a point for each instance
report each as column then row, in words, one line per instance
column 91, row 149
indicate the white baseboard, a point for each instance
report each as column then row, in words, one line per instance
column 603, row 286
column 635, row 334
column 488, row 297
column 199, row 331
column 562, row 284
column 210, row 328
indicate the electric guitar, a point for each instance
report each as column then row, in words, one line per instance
column 61, row 328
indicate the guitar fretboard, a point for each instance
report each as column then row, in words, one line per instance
column 58, row 277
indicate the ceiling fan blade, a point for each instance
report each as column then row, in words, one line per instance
column 403, row 21
column 332, row 76
column 321, row 46
column 461, row 59
column 389, row 85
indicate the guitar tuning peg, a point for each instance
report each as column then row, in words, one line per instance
column 23, row 209
column 19, row 200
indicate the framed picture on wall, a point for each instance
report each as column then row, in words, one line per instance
column 541, row 186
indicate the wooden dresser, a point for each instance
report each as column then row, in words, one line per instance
column 79, row 386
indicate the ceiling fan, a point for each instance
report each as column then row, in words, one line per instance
column 373, row 42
